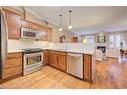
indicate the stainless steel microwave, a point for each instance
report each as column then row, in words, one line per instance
column 27, row 33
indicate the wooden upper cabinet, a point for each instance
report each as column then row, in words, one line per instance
column 34, row 26
column 62, row 61
column 28, row 24
column 13, row 24
column 87, row 67
column 49, row 33
column 43, row 33
column 25, row 23
column 74, row 40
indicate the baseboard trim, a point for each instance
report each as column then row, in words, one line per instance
column 113, row 57
column 10, row 78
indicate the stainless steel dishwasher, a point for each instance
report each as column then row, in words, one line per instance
column 75, row 64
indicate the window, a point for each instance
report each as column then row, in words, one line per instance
column 111, row 41
column 114, row 40
column 117, row 40
column 88, row 39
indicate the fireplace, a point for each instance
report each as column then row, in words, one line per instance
column 103, row 48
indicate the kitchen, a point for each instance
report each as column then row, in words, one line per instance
column 25, row 49
column 31, row 46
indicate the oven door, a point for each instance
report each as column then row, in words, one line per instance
column 32, row 59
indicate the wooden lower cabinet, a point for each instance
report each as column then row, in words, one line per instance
column 58, row 60
column 53, row 61
column 13, row 65
column 62, row 61
column 87, row 67
column 11, row 72
column 45, row 57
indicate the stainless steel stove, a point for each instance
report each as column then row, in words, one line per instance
column 33, row 59
column 32, row 50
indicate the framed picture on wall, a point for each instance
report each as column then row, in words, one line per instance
column 101, row 39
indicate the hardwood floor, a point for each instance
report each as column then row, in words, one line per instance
column 48, row 77
column 109, row 74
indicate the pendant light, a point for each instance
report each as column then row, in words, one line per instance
column 70, row 26
column 60, row 28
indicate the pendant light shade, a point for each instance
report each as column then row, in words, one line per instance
column 70, row 25
column 60, row 28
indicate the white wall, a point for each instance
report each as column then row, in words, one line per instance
column 113, row 53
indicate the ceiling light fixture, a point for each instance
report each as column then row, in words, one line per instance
column 70, row 26
column 60, row 28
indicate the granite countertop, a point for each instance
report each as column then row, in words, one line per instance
column 62, row 50
column 74, row 51
column 14, row 51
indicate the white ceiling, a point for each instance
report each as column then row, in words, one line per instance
column 86, row 19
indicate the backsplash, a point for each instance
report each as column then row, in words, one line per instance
column 21, row 44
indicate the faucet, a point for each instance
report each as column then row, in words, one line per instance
column 66, row 43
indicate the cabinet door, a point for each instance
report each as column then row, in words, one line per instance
column 13, row 65
column 25, row 24
column 62, row 61
column 34, row 26
column 13, row 24
column 53, row 59
column 74, row 39
column 43, row 33
column 45, row 57
column 49, row 34
column 88, row 67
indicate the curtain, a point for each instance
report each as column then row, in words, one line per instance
column 124, row 34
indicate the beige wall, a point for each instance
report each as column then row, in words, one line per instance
column 33, row 17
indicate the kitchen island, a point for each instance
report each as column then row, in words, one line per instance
column 57, row 58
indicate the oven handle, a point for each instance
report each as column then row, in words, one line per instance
column 34, row 54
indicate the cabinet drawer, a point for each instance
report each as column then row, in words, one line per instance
column 13, row 62
column 14, row 55
column 12, row 71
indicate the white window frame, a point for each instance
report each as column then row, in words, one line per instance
column 89, row 37
column 115, row 41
